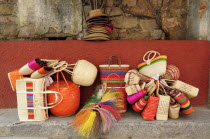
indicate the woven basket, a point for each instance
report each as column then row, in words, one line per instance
column 13, row 76
column 163, row 107
column 151, row 86
column 186, row 106
column 132, row 89
column 174, row 111
column 189, row 90
column 131, row 77
column 32, row 99
column 119, row 69
column 84, row 73
column 150, row 109
column 139, row 105
column 153, row 67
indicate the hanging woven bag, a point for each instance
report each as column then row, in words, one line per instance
column 189, row 90
column 71, row 97
column 107, row 69
column 163, row 105
column 154, row 64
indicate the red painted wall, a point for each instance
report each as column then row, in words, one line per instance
column 192, row 58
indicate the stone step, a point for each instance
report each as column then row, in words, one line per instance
column 132, row 126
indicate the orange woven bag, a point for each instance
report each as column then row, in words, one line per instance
column 71, row 97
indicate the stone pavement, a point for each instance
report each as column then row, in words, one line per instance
column 132, row 126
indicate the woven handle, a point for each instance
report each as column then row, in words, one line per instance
column 63, row 79
column 107, row 78
column 147, row 56
column 57, row 100
column 111, row 58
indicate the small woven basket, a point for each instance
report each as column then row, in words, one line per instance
column 189, row 90
column 163, row 107
column 32, row 99
column 84, row 73
column 155, row 66
column 174, row 111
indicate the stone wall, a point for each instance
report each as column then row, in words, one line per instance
column 62, row 19
column 8, row 19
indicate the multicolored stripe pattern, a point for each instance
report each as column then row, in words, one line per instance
column 150, row 110
column 139, row 105
column 186, row 106
column 172, row 73
column 30, row 99
column 113, row 80
column 153, row 61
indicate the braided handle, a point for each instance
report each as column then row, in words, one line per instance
column 147, row 56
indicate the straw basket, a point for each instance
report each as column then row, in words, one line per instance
column 119, row 69
column 163, row 107
column 84, row 73
column 132, row 89
column 189, row 90
column 13, row 76
column 32, row 99
column 174, row 111
column 153, row 67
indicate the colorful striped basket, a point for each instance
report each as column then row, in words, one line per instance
column 32, row 99
column 119, row 69
column 155, row 66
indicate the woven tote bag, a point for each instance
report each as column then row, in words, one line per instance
column 153, row 66
column 150, row 109
column 163, row 107
column 189, row 90
column 32, row 99
column 119, row 69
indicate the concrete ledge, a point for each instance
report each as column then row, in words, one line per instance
column 132, row 126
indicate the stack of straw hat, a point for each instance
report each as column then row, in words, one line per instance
column 99, row 26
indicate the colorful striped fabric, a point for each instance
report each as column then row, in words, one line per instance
column 150, row 110
column 112, row 80
column 153, row 61
column 172, row 73
column 186, row 106
column 30, row 99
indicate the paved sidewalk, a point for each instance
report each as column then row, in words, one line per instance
column 132, row 126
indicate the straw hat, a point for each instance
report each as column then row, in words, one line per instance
column 97, row 36
column 84, row 73
column 96, row 13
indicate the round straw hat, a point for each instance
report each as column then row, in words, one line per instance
column 97, row 36
column 96, row 13
column 84, row 73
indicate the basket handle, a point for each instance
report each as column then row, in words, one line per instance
column 107, row 78
column 147, row 56
column 63, row 79
column 57, row 100
column 111, row 58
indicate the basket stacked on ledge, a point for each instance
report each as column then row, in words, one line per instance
column 154, row 90
column 62, row 97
